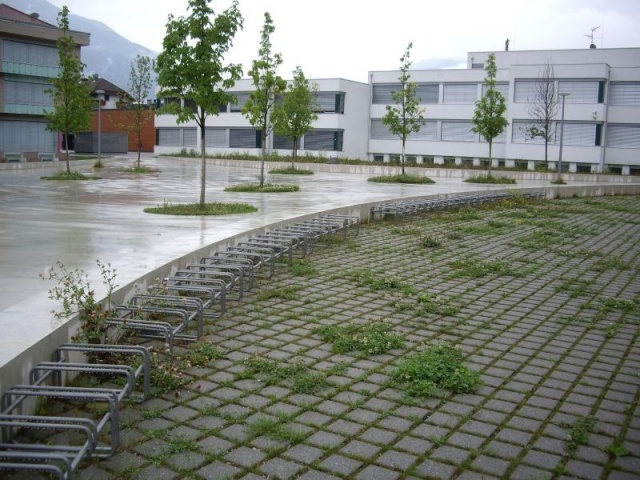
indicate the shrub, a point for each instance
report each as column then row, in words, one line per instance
column 401, row 178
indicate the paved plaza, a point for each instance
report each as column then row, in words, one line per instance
column 542, row 299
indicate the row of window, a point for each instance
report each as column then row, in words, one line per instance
column 587, row 91
column 582, row 134
column 317, row 140
column 29, row 54
column 31, row 91
column 326, row 102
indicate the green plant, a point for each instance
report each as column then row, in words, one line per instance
column 266, row 188
column 370, row 338
column 201, row 354
column 202, row 210
column 290, row 171
column 491, row 179
column 579, row 433
column 616, row 449
column 98, row 164
column 430, row 241
column 74, row 291
column 402, row 178
column 436, row 367
column 181, row 444
column 367, row 278
column 284, row 293
column 166, row 375
column 69, row 176
column 302, row 381
column 430, row 303
column 476, row 268
column 303, row 268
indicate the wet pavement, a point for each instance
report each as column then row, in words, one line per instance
column 80, row 222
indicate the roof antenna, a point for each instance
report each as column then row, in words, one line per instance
column 591, row 35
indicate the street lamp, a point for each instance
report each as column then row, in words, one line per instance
column 564, row 96
column 100, row 96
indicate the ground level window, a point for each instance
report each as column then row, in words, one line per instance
column 450, row 161
column 411, row 159
column 521, row 165
column 467, row 162
column 614, row 170
column 427, row 160
column 378, row 158
column 583, row 168
column 634, row 171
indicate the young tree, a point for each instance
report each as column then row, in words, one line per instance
column 488, row 118
column 296, row 113
column 268, row 85
column 406, row 116
column 190, row 67
column 72, row 102
column 138, row 114
column 544, row 109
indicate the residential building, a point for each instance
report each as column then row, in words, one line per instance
column 602, row 111
column 29, row 58
column 601, row 124
column 343, row 108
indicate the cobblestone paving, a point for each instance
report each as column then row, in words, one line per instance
column 543, row 300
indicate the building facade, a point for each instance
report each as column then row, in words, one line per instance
column 28, row 59
column 341, row 130
column 601, row 129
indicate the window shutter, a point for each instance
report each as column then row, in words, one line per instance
column 624, row 93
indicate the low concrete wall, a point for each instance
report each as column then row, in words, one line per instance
column 16, row 371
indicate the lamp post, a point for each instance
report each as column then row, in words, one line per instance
column 564, row 96
column 100, row 96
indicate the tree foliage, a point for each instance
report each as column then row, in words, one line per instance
column 191, row 67
column 544, row 109
column 268, row 85
column 488, row 119
column 72, row 102
column 406, row 116
column 137, row 113
column 295, row 114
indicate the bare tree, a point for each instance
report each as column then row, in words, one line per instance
column 544, row 108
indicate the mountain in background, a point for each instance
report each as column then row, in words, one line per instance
column 109, row 54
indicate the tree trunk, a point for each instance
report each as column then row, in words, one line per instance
column 66, row 145
column 139, row 145
column 546, row 148
column 295, row 152
column 203, row 168
column 402, row 156
column 490, row 157
column 262, row 156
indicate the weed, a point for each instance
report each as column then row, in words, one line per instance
column 430, row 303
column 284, row 293
column 181, row 445
column 579, row 433
column 430, row 241
column 616, row 449
column 407, row 230
column 303, row 268
column 367, row 278
column 151, row 413
column 401, row 178
column 370, row 338
column 491, row 179
column 575, row 287
column 436, row 367
column 195, row 209
column 298, row 374
column 476, row 268
column 201, row 354
column 210, row 411
column 338, row 368
column 609, row 263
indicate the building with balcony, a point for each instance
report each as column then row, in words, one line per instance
column 28, row 59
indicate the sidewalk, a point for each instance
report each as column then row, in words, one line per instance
column 543, row 302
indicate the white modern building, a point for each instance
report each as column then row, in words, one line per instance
column 601, row 122
column 344, row 107
column 602, row 111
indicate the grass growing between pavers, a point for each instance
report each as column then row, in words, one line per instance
column 247, row 414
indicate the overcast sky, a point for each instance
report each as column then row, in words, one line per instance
column 349, row 38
